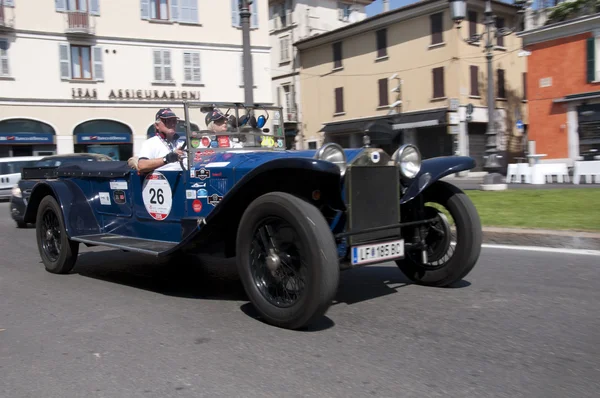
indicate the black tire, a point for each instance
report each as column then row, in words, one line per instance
column 318, row 252
column 57, row 251
column 469, row 237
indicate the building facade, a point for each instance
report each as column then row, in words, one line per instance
column 564, row 88
column 408, row 76
column 90, row 75
column 292, row 20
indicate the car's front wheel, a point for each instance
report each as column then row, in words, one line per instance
column 287, row 260
column 57, row 251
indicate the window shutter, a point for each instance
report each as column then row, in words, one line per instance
column 157, row 56
column 61, row 5
column 187, row 67
column 65, row 61
column 196, row 69
column 193, row 11
column 436, row 28
column 591, row 59
column 97, row 61
column 167, row 65
column 381, row 43
column 501, row 91
column 438, row 82
column 145, row 7
column 4, row 69
column 524, row 85
column 383, row 92
column 472, row 24
column 337, row 55
column 474, row 80
column 339, row 100
column 174, row 10
column 95, row 7
column 235, row 14
column 499, row 25
column 254, row 17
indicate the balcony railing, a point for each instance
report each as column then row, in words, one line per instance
column 7, row 17
column 80, row 22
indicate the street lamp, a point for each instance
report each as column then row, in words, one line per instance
column 458, row 11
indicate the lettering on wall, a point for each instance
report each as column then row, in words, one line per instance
column 127, row 94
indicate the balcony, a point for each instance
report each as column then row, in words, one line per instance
column 290, row 116
column 80, row 23
column 7, row 18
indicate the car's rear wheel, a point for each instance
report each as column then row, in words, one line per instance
column 449, row 256
column 287, row 260
column 57, row 251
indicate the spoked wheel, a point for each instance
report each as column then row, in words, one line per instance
column 58, row 252
column 451, row 252
column 287, row 260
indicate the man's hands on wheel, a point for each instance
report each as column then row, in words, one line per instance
column 174, row 156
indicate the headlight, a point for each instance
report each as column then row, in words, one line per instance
column 16, row 191
column 408, row 158
column 333, row 153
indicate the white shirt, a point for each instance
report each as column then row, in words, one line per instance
column 156, row 147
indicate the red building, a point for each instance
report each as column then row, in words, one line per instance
column 563, row 88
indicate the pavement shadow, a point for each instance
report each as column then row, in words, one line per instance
column 199, row 279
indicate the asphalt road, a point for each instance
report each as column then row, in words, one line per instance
column 522, row 324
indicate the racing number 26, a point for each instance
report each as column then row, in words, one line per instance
column 157, row 195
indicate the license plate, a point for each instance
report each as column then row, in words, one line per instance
column 377, row 252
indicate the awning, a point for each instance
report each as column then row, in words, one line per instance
column 354, row 125
column 410, row 120
column 578, row 97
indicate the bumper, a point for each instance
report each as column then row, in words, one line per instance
column 17, row 208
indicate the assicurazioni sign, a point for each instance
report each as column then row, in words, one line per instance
column 131, row 94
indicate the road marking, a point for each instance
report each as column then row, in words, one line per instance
column 544, row 249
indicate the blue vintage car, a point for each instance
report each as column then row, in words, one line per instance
column 292, row 219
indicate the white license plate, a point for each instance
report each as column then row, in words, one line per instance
column 377, row 252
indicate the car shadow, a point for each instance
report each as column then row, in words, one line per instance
column 218, row 279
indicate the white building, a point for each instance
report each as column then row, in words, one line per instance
column 90, row 75
column 290, row 21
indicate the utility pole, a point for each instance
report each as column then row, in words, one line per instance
column 245, row 14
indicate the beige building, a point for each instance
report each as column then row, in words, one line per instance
column 292, row 20
column 410, row 71
column 90, row 75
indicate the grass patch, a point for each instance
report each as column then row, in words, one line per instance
column 566, row 209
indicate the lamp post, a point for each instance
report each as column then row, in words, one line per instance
column 458, row 10
column 245, row 14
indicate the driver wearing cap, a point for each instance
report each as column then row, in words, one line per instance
column 161, row 152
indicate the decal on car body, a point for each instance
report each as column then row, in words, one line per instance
column 157, row 195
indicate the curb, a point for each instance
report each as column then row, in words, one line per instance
column 542, row 238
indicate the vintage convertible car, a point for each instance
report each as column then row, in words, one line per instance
column 292, row 219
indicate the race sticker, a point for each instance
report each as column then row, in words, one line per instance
column 202, row 193
column 199, row 185
column 197, row 206
column 157, row 196
column 217, row 164
column 190, row 194
column 104, row 198
column 203, row 174
column 214, row 199
column 118, row 185
column 119, row 197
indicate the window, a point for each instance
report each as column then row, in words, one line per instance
column 593, row 59
column 337, row 55
column 524, row 86
column 284, row 48
column 235, row 14
column 191, row 67
column 80, row 62
column 500, row 38
column 289, row 106
column 162, row 66
column 501, row 88
column 344, row 11
column 381, row 43
column 339, row 100
column 472, row 24
column 4, row 70
column 436, row 28
column 438, row 82
column 474, row 80
column 185, row 11
column 312, row 145
column 78, row 6
column 383, row 92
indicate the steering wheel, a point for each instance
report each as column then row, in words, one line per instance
column 181, row 163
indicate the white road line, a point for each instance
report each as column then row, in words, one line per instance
column 544, row 249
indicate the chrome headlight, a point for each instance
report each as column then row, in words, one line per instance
column 333, row 153
column 408, row 158
column 16, row 192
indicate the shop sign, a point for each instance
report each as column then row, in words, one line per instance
column 103, row 138
column 132, row 94
column 84, row 93
column 25, row 138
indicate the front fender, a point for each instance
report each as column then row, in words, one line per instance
column 432, row 170
column 77, row 214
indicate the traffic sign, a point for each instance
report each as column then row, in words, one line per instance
column 519, row 124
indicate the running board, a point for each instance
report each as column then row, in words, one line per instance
column 156, row 248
